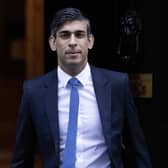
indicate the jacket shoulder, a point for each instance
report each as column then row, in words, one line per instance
column 110, row 74
column 40, row 81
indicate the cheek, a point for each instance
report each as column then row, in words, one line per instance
column 60, row 48
column 60, row 45
column 85, row 46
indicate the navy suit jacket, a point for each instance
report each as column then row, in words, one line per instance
column 38, row 120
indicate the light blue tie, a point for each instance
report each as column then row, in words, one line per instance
column 70, row 146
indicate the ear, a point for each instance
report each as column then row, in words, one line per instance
column 91, row 41
column 52, row 43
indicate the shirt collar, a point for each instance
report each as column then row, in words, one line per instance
column 84, row 76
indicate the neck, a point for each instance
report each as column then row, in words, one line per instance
column 73, row 70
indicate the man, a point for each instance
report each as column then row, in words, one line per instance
column 105, row 104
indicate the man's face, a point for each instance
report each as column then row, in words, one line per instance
column 72, row 44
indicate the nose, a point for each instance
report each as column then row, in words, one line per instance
column 72, row 41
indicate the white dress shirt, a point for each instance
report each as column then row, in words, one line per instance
column 91, row 147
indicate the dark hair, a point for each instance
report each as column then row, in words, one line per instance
column 67, row 14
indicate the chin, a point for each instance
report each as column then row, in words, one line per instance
column 74, row 62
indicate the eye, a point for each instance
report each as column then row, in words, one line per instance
column 64, row 35
column 80, row 34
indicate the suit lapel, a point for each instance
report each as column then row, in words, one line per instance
column 104, row 100
column 52, row 108
column 103, row 96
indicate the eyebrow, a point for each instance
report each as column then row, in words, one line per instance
column 67, row 31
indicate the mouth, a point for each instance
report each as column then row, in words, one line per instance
column 73, row 53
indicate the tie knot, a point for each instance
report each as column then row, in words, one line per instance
column 74, row 82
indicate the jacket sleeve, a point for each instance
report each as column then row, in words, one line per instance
column 23, row 154
column 134, row 133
